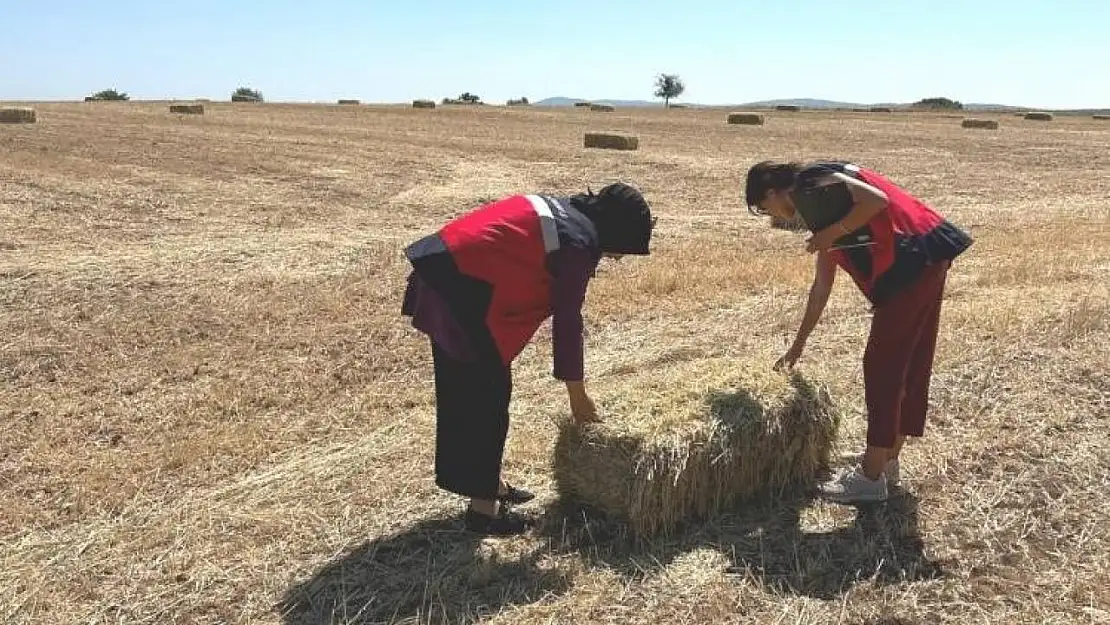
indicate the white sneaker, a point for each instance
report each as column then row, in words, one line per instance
column 893, row 470
column 852, row 486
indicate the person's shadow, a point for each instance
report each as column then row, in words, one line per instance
column 433, row 572
column 764, row 541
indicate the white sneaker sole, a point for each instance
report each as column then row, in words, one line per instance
column 893, row 470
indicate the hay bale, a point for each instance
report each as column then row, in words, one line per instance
column 17, row 115
column 985, row 124
column 694, row 439
column 788, row 107
column 349, row 102
column 746, row 119
column 881, row 109
column 187, row 109
column 602, row 108
column 423, row 104
column 611, row 141
column 1101, row 117
column 1039, row 116
column 582, row 104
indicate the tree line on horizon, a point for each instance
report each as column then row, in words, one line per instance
column 667, row 87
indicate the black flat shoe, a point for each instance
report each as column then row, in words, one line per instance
column 515, row 496
column 504, row 524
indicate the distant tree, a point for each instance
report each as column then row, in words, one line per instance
column 939, row 103
column 521, row 102
column 246, row 94
column 469, row 98
column 109, row 94
column 668, row 86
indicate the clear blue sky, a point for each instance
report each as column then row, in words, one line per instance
column 1042, row 54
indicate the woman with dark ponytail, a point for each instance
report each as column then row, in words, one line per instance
column 480, row 288
column 897, row 249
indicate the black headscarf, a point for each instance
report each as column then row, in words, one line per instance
column 622, row 218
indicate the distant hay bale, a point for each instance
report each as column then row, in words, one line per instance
column 187, row 109
column 788, row 107
column 985, row 124
column 860, row 110
column 694, row 439
column 17, row 115
column 583, row 104
column 1101, row 117
column 678, row 106
column 423, row 104
column 602, row 108
column 746, row 119
column 611, row 141
column 349, row 102
column 1039, row 116
column 880, row 109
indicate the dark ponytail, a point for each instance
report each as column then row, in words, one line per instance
column 768, row 175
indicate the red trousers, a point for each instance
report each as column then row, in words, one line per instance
column 898, row 362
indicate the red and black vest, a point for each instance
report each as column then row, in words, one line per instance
column 491, row 264
column 906, row 237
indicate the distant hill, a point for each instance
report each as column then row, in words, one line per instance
column 805, row 103
column 561, row 101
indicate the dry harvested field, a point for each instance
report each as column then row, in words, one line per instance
column 214, row 413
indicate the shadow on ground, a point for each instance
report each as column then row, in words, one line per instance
column 765, row 542
column 434, row 572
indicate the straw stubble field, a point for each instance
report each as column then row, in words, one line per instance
column 213, row 413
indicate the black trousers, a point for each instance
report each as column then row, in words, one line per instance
column 472, row 422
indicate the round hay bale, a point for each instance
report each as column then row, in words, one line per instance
column 582, row 105
column 187, row 109
column 985, row 124
column 746, row 119
column 17, row 115
column 423, row 104
column 602, row 108
column 881, row 109
column 1039, row 116
column 349, row 102
column 611, row 141
column 1101, row 117
column 695, row 439
column 788, row 107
